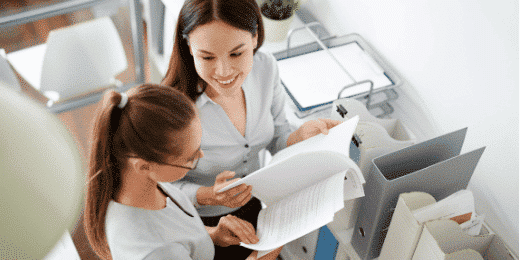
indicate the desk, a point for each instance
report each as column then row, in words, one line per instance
column 404, row 109
column 57, row 7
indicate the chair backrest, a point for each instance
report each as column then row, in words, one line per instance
column 82, row 58
column 7, row 75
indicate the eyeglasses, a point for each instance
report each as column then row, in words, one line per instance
column 195, row 162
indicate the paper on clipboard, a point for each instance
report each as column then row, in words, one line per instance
column 315, row 78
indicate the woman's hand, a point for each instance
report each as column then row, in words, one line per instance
column 312, row 128
column 270, row 256
column 231, row 231
column 233, row 198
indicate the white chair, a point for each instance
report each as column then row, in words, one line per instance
column 7, row 76
column 75, row 60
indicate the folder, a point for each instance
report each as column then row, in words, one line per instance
column 404, row 231
column 434, row 166
column 444, row 239
column 439, row 239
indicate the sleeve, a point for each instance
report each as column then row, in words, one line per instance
column 188, row 188
column 172, row 251
column 282, row 128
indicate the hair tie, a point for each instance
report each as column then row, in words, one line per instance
column 124, row 100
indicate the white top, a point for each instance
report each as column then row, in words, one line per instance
column 169, row 233
column 225, row 149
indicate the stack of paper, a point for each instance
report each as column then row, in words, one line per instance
column 303, row 186
column 316, row 78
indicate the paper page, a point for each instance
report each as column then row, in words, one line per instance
column 338, row 140
column 303, row 164
column 313, row 78
column 334, row 189
column 473, row 226
column 353, row 187
column 299, row 214
column 361, row 66
column 459, row 203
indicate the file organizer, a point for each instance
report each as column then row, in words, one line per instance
column 434, row 166
column 404, row 230
column 444, row 239
column 364, row 88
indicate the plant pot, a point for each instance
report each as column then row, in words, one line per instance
column 276, row 30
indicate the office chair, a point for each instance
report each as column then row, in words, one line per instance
column 75, row 61
column 7, row 76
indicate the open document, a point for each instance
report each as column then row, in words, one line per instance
column 303, row 186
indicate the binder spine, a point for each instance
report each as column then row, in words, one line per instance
column 364, row 232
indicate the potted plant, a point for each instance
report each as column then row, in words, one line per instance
column 277, row 16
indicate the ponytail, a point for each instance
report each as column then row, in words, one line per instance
column 103, row 175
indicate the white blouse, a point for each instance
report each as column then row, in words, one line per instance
column 169, row 233
column 225, row 149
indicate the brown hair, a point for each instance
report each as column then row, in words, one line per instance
column 242, row 14
column 139, row 129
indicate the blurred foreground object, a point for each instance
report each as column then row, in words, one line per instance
column 41, row 178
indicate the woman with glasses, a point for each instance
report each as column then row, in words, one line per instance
column 240, row 99
column 142, row 141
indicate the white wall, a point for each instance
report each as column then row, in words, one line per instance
column 461, row 59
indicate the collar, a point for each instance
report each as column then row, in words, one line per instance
column 202, row 100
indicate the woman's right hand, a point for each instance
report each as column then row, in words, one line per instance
column 233, row 198
column 231, row 231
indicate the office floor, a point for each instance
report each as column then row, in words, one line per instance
column 78, row 122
